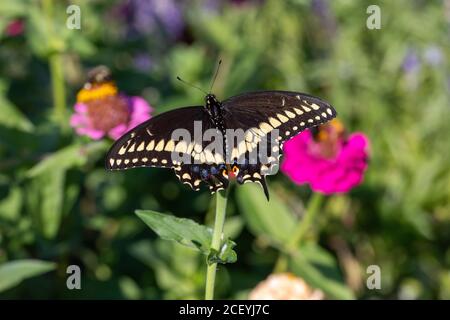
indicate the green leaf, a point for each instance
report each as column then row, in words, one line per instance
column 52, row 198
column 225, row 255
column 268, row 219
column 181, row 230
column 233, row 227
column 319, row 269
column 189, row 233
column 11, row 205
column 129, row 288
column 11, row 116
column 13, row 9
column 14, row 272
column 68, row 157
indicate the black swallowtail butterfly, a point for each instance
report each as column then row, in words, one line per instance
column 258, row 114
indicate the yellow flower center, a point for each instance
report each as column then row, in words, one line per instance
column 97, row 92
column 328, row 139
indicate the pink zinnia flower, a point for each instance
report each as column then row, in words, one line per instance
column 328, row 160
column 100, row 110
column 285, row 286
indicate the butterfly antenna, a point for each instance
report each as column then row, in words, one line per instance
column 191, row 85
column 215, row 75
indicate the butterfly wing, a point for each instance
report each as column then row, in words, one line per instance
column 151, row 144
column 289, row 112
column 262, row 112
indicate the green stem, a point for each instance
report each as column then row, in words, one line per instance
column 58, row 87
column 300, row 231
column 55, row 61
column 219, row 221
column 305, row 223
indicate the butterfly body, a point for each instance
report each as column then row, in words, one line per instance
column 249, row 131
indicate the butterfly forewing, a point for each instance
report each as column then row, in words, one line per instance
column 288, row 112
column 279, row 114
column 151, row 145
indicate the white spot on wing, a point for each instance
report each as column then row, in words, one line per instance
column 141, row 146
column 265, row 127
column 160, row 145
column 257, row 175
column 150, row 146
column 290, row 114
column 186, row 176
column 170, row 146
column 282, row 118
column 274, row 122
column 181, row 147
column 298, row 111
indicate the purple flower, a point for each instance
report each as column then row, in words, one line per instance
column 147, row 16
column 433, row 55
column 142, row 62
column 411, row 62
column 321, row 8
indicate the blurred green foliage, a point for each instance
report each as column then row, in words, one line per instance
column 58, row 204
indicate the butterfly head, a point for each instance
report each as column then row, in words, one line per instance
column 212, row 106
column 210, row 100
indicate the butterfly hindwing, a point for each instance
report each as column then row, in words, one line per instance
column 210, row 174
